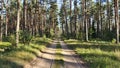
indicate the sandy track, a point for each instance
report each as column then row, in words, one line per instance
column 71, row 60
column 46, row 58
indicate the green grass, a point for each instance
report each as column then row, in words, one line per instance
column 4, row 45
column 23, row 54
column 97, row 54
column 59, row 62
column 59, row 56
column 58, row 46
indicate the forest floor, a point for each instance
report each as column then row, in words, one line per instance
column 57, row 55
column 97, row 54
column 46, row 53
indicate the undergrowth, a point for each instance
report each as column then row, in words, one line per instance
column 98, row 54
column 19, row 56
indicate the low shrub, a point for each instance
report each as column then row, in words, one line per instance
column 12, row 40
column 25, row 37
column 114, row 41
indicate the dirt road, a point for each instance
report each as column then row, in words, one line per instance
column 71, row 60
column 53, row 57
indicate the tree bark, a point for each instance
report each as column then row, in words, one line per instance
column 1, row 27
column 116, row 4
column 75, row 18
column 25, row 14
column 18, row 22
column 66, row 22
column 71, row 17
column 86, row 24
column 6, row 24
column 108, row 14
column 7, row 19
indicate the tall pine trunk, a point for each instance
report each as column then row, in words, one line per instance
column 71, row 17
column 116, row 4
column 75, row 18
column 108, row 14
column 86, row 20
column 25, row 15
column 18, row 22
column 66, row 21
column 1, row 27
column 7, row 19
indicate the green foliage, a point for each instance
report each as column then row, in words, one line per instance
column 25, row 37
column 12, row 39
column 108, row 35
column 44, row 37
column 4, row 46
column 59, row 57
column 63, row 37
column 80, row 36
column 6, row 63
column 5, row 39
column 114, row 41
column 98, row 58
column 52, row 34
column 97, row 54
column 21, row 55
column 91, row 33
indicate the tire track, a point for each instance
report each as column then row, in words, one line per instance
column 71, row 60
column 45, row 60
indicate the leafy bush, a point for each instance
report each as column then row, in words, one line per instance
column 63, row 37
column 80, row 36
column 108, row 35
column 25, row 37
column 5, row 39
column 114, row 41
column 52, row 34
column 12, row 40
column 44, row 37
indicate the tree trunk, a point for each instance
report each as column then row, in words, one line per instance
column 66, row 22
column 83, row 17
column 1, row 27
column 6, row 24
column 18, row 22
column 62, row 28
column 71, row 17
column 25, row 15
column 75, row 18
column 7, row 18
column 116, row 4
column 101, row 23
column 86, row 24
column 108, row 14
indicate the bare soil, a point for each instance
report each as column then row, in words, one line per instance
column 47, row 58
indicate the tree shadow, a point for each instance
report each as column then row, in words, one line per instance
column 4, row 63
column 39, row 42
column 94, row 59
column 93, row 46
column 61, row 63
column 100, row 60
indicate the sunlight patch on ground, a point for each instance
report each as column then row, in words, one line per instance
column 21, row 55
column 98, row 54
column 59, row 62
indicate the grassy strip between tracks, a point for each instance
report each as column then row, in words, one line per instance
column 59, row 57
